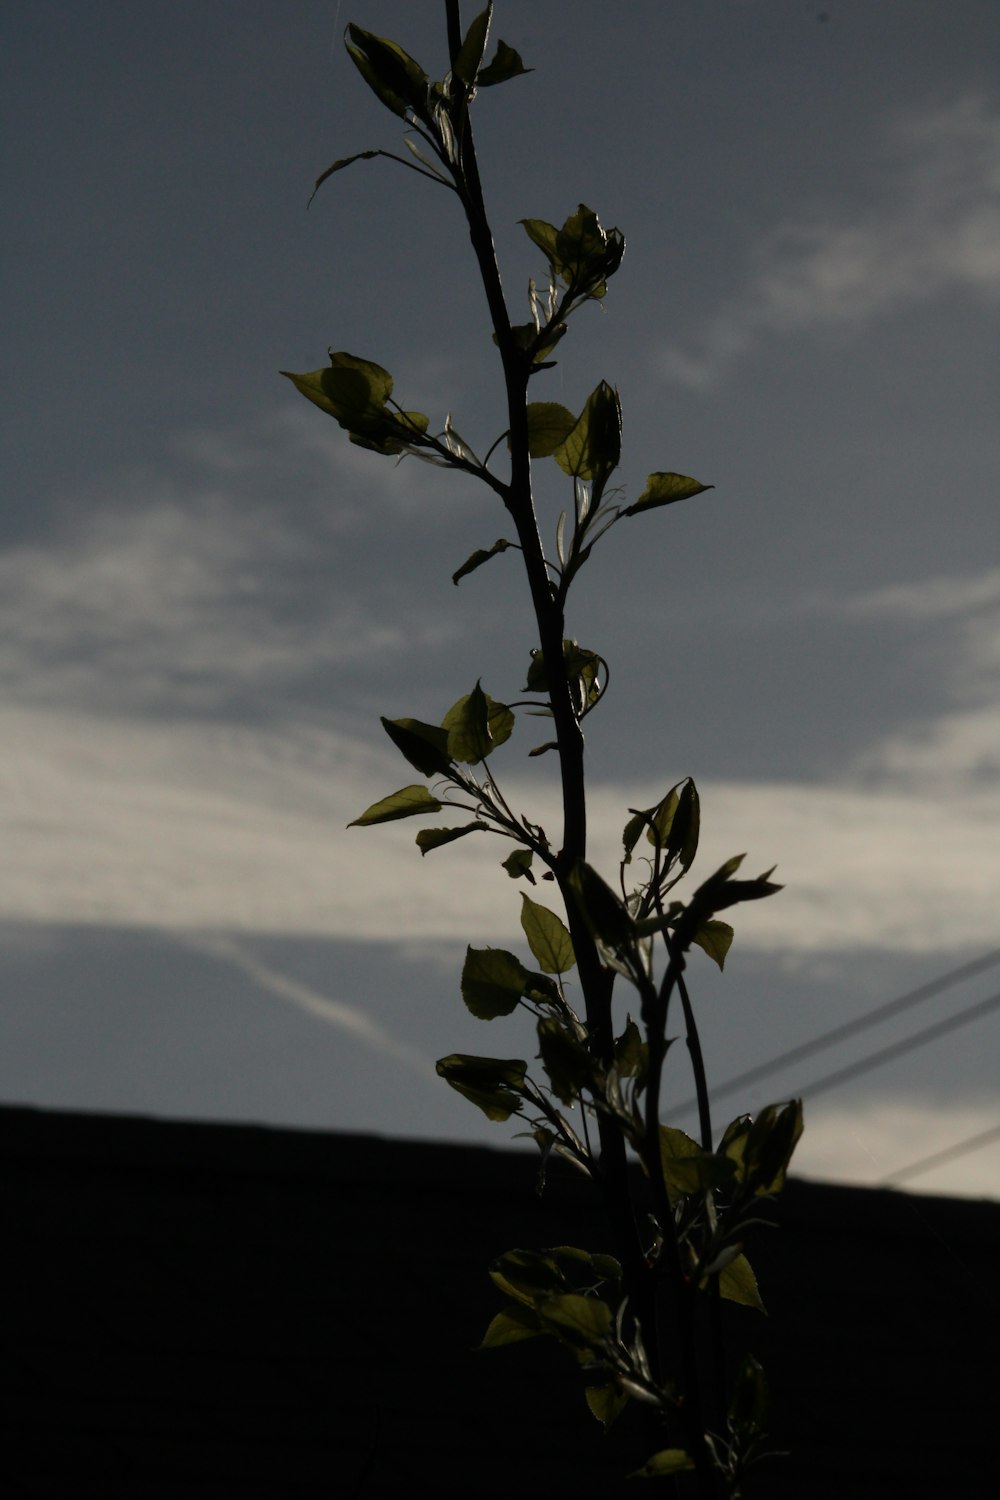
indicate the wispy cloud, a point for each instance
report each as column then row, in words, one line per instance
column 188, row 825
column 960, row 744
column 346, row 1018
column 935, row 598
column 935, row 229
column 159, row 591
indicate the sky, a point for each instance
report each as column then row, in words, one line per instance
column 209, row 596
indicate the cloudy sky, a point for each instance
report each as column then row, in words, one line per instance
column 208, row 597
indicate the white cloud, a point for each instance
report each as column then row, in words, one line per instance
column 930, row 598
column 959, row 746
column 190, row 825
column 934, row 229
column 867, row 1143
column 162, row 593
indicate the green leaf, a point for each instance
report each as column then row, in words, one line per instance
column 593, row 448
column 392, row 74
column 633, row 831
column 425, row 746
column 582, row 1324
column 466, row 64
column 676, row 823
column 481, row 555
column 566, row 1061
column 354, row 392
column 734, row 1142
column 682, row 841
column 667, row 1461
column 436, row 838
column 716, row 939
column 687, row 1169
column 475, row 725
column 587, row 255
column 582, row 669
column 769, row 1145
column 494, row 1084
column 527, row 1276
column 541, row 990
column 549, row 424
column 405, row 803
column 606, row 917
column 493, row 982
column 737, row 1283
column 518, row 864
column 512, row 1326
column 506, row 64
column 666, row 489
column 721, row 891
column 749, row 1405
column 607, row 1267
column 548, row 937
column 338, row 166
column 606, row 1402
column 544, row 235
column 631, row 1052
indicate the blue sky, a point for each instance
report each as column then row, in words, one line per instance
column 208, row 597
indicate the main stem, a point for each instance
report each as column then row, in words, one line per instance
column 596, row 980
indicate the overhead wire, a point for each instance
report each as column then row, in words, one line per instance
column 939, row 1158
column 862, row 1023
column 907, row 1044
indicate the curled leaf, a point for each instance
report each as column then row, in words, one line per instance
column 481, row 555
column 436, row 838
column 494, row 1084
column 506, row 64
column 665, row 489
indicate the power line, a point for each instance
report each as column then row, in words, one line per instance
column 908, row 1044
column 850, row 1028
column 951, row 1153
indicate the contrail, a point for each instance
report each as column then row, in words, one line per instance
column 335, row 1012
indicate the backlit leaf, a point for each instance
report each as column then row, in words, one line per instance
column 606, row 917
column 494, row 1084
column 583, row 1324
column 425, row 746
column 737, row 1283
column 466, row 64
column 493, row 982
column 506, row 64
column 592, row 449
column 606, row 1402
column 338, row 166
column 716, row 939
column 481, row 555
column 405, row 803
column 549, row 424
column 392, row 74
column 436, row 838
column 518, row 864
column 512, row 1326
column 667, row 1461
column 548, row 937
column 687, row 1169
column 665, row 489
column 566, row 1061
column 475, row 725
